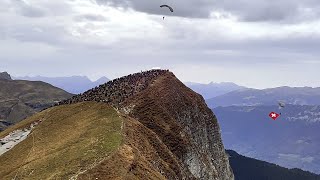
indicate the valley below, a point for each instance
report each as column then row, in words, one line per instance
column 292, row 141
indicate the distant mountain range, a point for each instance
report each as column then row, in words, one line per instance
column 271, row 96
column 20, row 99
column 292, row 141
column 73, row 84
column 213, row 89
column 245, row 168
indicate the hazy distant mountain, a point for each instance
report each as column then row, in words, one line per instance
column 292, row 141
column 245, row 168
column 213, row 89
column 248, row 97
column 101, row 80
column 73, row 84
column 20, row 99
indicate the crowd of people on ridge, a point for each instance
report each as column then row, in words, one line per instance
column 116, row 91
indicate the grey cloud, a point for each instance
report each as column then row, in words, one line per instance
column 32, row 12
column 52, row 35
column 180, row 44
column 192, row 8
column 246, row 10
column 28, row 10
column 272, row 10
column 90, row 17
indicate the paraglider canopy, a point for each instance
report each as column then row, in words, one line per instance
column 281, row 104
column 170, row 8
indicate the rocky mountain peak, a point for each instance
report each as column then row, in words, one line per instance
column 185, row 124
column 5, row 76
column 183, row 139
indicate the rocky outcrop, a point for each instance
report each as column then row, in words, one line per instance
column 169, row 125
column 5, row 76
column 184, row 123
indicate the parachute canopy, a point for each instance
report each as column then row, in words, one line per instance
column 171, row 9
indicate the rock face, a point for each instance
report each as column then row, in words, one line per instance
column 184, row 124
column 5, row 76
column 168, row 125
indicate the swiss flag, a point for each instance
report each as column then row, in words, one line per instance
column 274, row 115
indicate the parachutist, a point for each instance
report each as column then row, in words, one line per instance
column 170, row 8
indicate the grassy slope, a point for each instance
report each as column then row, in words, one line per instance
column 138, row 158
column 69, row 139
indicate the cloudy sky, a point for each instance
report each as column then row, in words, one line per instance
column 256, row 43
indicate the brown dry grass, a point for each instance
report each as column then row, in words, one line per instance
column 135, row 159
column 69, row 139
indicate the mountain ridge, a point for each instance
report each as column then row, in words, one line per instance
column 269, row 96
column 146, row 94
column 20, row 99
column 168, row 130
column 248, row 168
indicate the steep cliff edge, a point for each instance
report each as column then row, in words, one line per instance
column 176, row 115
column 184, row 124
column 167, row 131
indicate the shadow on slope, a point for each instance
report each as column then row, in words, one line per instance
column 245, row 168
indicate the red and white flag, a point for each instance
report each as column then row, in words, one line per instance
column 274, row 115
